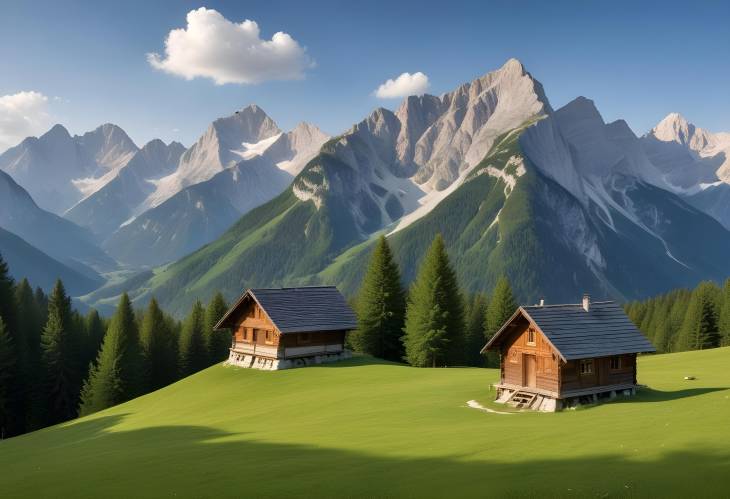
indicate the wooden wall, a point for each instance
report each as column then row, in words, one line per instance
column 602, row 373
column 254, row 319
column 513, row 358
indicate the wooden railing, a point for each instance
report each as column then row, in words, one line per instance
column 255, row 349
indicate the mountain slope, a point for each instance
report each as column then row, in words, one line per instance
column 58, row 170
column 25, row 261
column 694, row 161
column 375, row 430
column 201, row 212
column 688, row 155
column 116, row 202
column 55, row 236
column 562, row 202
column 509, row 217
column 226, row 142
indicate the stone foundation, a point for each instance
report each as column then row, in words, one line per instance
column 546, row 403
column 249, row 361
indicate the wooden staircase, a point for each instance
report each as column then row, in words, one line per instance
column 521, row 400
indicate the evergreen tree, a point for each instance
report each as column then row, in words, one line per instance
column 501, row 307
column 159, row 349
column 41, row 303
column 219, row 342
column 60, row 361
column 7, row 298
column 475, row 316
column 193, row 352
column 724, row 321
column 7, row 378
column 94, row 329
column 380, row 307
column 115, row 377
column 28, row 354
column 434, row 324
column 699, row 329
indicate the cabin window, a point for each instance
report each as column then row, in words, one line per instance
column 513, row 356
column 586, row 366
column 304, row 338
column 531, row 336
column 269, row 337
column 248, row 335
column 615, row 363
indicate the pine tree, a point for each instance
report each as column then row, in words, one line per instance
column 193, row 352
column 219, row 342
column 116, row 375
column 724, row 321
column 699, row 329
column 8, row 310
column 380, row 307
column 434, row 322
column 474, row 341
column 159, row 349
column 41, row 303
column 28, row 354
column 94, row 329
column 60, row 361
column 7, row 378
column 501, row 307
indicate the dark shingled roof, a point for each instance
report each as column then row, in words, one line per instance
column 602, row 331
column 297, row 310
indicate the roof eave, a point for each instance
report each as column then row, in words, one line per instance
column 520, row 310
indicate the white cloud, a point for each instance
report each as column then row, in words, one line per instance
column 21, row 115
column 211, row 46
column 406, row 84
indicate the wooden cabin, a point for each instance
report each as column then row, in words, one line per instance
column 557, row 356
column 288, row 327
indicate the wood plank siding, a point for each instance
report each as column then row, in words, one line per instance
column 515, row 359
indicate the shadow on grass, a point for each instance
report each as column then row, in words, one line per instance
column 651, row 395
column 94, row 459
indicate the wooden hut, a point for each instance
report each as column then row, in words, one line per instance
column 288, row 327
column 559, row 355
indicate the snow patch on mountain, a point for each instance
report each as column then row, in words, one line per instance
column 251, row 150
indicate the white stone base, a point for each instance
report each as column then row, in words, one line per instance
column 268, row 364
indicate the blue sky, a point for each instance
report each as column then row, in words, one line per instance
column 636, row 60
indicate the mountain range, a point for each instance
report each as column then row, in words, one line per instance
column 557, row 199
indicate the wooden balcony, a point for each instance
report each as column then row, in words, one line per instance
column 255, row 349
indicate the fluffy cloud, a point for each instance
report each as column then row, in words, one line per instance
column 21, row 115
column 211, row 46
column 406, row 84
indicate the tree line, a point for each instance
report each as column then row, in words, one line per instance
column 431, row 324
column 57, row 364
column 685, row 319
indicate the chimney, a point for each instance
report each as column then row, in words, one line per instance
column 542, row 302
column 586, row 302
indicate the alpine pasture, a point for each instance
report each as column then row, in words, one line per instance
column 365, row 428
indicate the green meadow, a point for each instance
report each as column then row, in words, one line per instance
column 362, row 429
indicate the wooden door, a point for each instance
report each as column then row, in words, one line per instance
column 530, row 374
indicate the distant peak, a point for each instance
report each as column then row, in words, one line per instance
column 673, row 119
column 250, row 109
column 513, row 64
column 582, row 105
column 674, row 128
column 57, row 130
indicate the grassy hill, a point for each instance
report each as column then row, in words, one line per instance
column 364, row 429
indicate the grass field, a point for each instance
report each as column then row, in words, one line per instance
column 365, row 429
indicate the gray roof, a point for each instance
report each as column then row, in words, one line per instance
column 297, row 310
column 576, row 334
